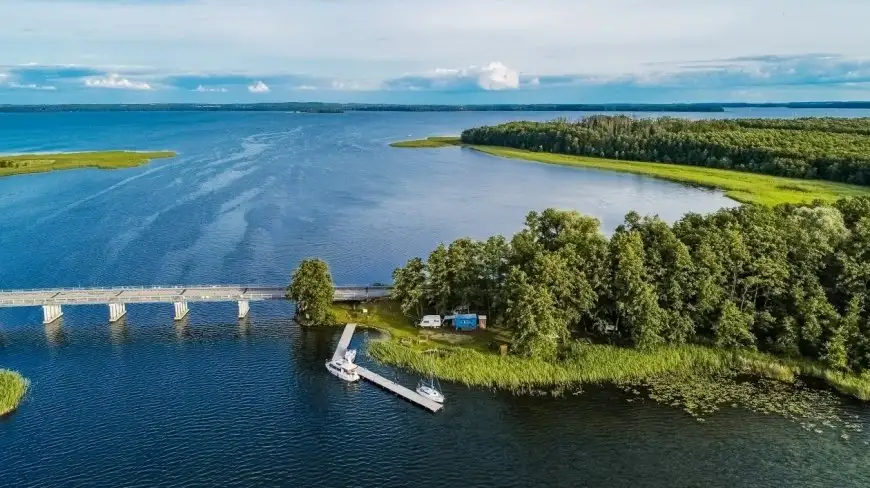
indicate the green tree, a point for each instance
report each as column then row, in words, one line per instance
column 537, row 329
column 313, row 290
column 409, row 288
column 637, row 312
column 734, row 328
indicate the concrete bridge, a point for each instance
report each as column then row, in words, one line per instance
column 52, row 300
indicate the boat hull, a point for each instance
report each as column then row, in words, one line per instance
column 342, row 375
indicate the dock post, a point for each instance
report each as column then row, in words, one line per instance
column 50, row 313
column 244, row 308
column 180, row 310
column 116, row 311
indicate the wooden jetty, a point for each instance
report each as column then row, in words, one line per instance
column 379, row 380
column 398, row 389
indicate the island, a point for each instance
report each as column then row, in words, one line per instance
column 745, row 306
column 766, row 161
column 13, row 387
column 39, row 163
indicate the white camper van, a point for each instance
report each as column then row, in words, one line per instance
column 431, row 321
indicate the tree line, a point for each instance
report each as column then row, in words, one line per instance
column 790, row 280
column 816, row 148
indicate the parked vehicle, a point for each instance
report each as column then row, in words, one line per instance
column 430, row 321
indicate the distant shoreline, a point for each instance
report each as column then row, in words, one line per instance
column 328, row 107
column 29, row 163
column 743, row 187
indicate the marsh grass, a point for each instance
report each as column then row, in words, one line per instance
column 13, row 387
column 429, row 142
column 39, row 163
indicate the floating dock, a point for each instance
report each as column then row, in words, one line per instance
column 379, row 380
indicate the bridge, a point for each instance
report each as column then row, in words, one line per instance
column 53, row 300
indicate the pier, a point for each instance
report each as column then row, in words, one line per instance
column 53, row 300
column 379, row 380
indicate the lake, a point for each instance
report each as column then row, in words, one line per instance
column 214, row 401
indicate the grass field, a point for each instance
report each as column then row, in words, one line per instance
column 740, row 186
column 13, row 386
column 40, row 163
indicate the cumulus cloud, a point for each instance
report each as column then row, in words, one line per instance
column 491, row 77
column 258, row 87
column 207, row 89
column 32, row 86
column 496, row 76
column 118, row 82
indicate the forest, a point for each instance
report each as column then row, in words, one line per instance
column 788, row 280
column 834, row 149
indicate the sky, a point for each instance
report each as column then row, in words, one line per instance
column 427, row 51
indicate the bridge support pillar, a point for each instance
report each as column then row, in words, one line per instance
column 116, row 311
column 50, row 313
column 244, row 308
column 181, row 310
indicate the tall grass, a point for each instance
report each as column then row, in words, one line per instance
column 39, row 163
column 429, row 142
column 13, row 386
column 598, row 364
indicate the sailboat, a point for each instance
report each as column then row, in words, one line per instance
column 429, row 390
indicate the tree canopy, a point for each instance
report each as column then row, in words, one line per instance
column 312, row 289
column 790, row 280
column 836, row 149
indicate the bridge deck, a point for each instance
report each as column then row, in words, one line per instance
column 165, row 294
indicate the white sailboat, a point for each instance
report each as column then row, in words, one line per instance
column 344, row 367
column 430, row 391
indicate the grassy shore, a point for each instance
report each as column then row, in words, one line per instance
column 473, row 359
column 40, row 163
column 13, row 386
column 741, row 186
column 429, row 142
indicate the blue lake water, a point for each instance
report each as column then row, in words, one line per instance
column 211, row 401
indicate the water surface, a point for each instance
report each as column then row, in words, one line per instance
column 212, row 401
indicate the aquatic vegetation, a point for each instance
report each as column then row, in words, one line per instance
column 13, row 387
column 696, row 379
column 40, row 163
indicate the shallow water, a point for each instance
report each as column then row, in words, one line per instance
column 211, row 401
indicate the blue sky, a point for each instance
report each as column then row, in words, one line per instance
column 423, row 51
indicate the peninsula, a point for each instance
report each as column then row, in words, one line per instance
column 763, row 161
column 40, row 162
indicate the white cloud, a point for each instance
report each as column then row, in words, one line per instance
column 492, row 77
column 496, row 76
column 206, row 89
column 118, row 82
column 305, row 87
column 32, row 86
column 258, row 87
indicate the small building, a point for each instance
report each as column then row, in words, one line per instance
column 465, row 322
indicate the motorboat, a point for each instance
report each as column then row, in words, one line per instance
column 430, row 390
column 344, row 367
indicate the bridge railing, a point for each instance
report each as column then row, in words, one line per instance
column 175, row 287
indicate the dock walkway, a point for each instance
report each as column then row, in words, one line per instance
column 398, row 389
column 379, row 380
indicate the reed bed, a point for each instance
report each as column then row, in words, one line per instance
column 601, row 364
column 13, row 387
